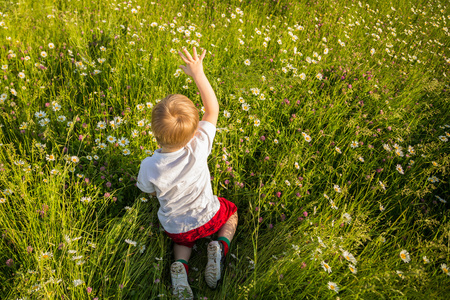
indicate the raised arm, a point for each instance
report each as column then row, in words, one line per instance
column 194, row 68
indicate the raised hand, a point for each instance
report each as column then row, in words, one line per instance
column 194, row 65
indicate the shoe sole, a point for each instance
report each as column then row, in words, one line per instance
column 212, row 270
column 177, row 270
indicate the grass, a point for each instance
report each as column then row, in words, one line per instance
column 312, row 165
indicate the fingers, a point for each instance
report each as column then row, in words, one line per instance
column 183, row 58
column 188, row 55
column 195, row 54
column 203, row 54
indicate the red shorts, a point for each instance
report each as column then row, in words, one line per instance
column 226, row 210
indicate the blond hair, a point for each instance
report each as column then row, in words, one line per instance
column 174, row 121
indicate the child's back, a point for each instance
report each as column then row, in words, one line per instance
column 182, row 183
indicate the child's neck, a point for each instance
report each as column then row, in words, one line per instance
column 168, row 150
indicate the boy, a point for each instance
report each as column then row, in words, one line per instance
column 178, row 175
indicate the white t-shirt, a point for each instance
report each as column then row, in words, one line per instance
column 182, row 182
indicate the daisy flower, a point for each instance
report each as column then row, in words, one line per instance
column 326, row 267
column 40, row 114
column 361, row 159
column 50, row 157
column 337, row 189
column 141, row 123
column 440, row 199
column 302, row 76
column 399, row 152
column 426, row 260
column 51, row 45
column 255, row 91
column 102, row 146
column 319, row 76
column 74, row 159
column 348, row 256
column 77, row 282
column 347, row 218
column 44, row 54
column 2, row 200
column 247, row 62
column 333, row 286
column 372, row 51
column 333, row 205
column 44, row 122
column 102, row 48
column 445, row 269
column 56, row 107
column 46, row 255
column 400, row 274
column 306, row 137
column 22, row 75
column 101, row 125
column 399, row 169
column 433, row 179
column 338, row 150
column 123, row 142
column 111, row 139
column 352, row 268
column 382, row 185
column 126, row 152
column 130, row 242
column 245, row 106
column 256, row 123
column 404, row 255
column 296, row 165
column 354, row 144
column 85, row 199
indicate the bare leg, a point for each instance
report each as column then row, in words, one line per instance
column 181, row 252
column 229, row 228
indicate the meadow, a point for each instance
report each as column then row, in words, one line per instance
column 332, row 141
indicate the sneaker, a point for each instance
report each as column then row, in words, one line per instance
column 215, row 264
column 181, row 288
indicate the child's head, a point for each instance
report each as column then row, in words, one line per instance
column 174, row 121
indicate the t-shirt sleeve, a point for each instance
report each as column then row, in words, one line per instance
column 205, row 136
column 143, row 180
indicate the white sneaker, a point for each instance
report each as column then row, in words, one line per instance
column 181, row 288
column 214, row 266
